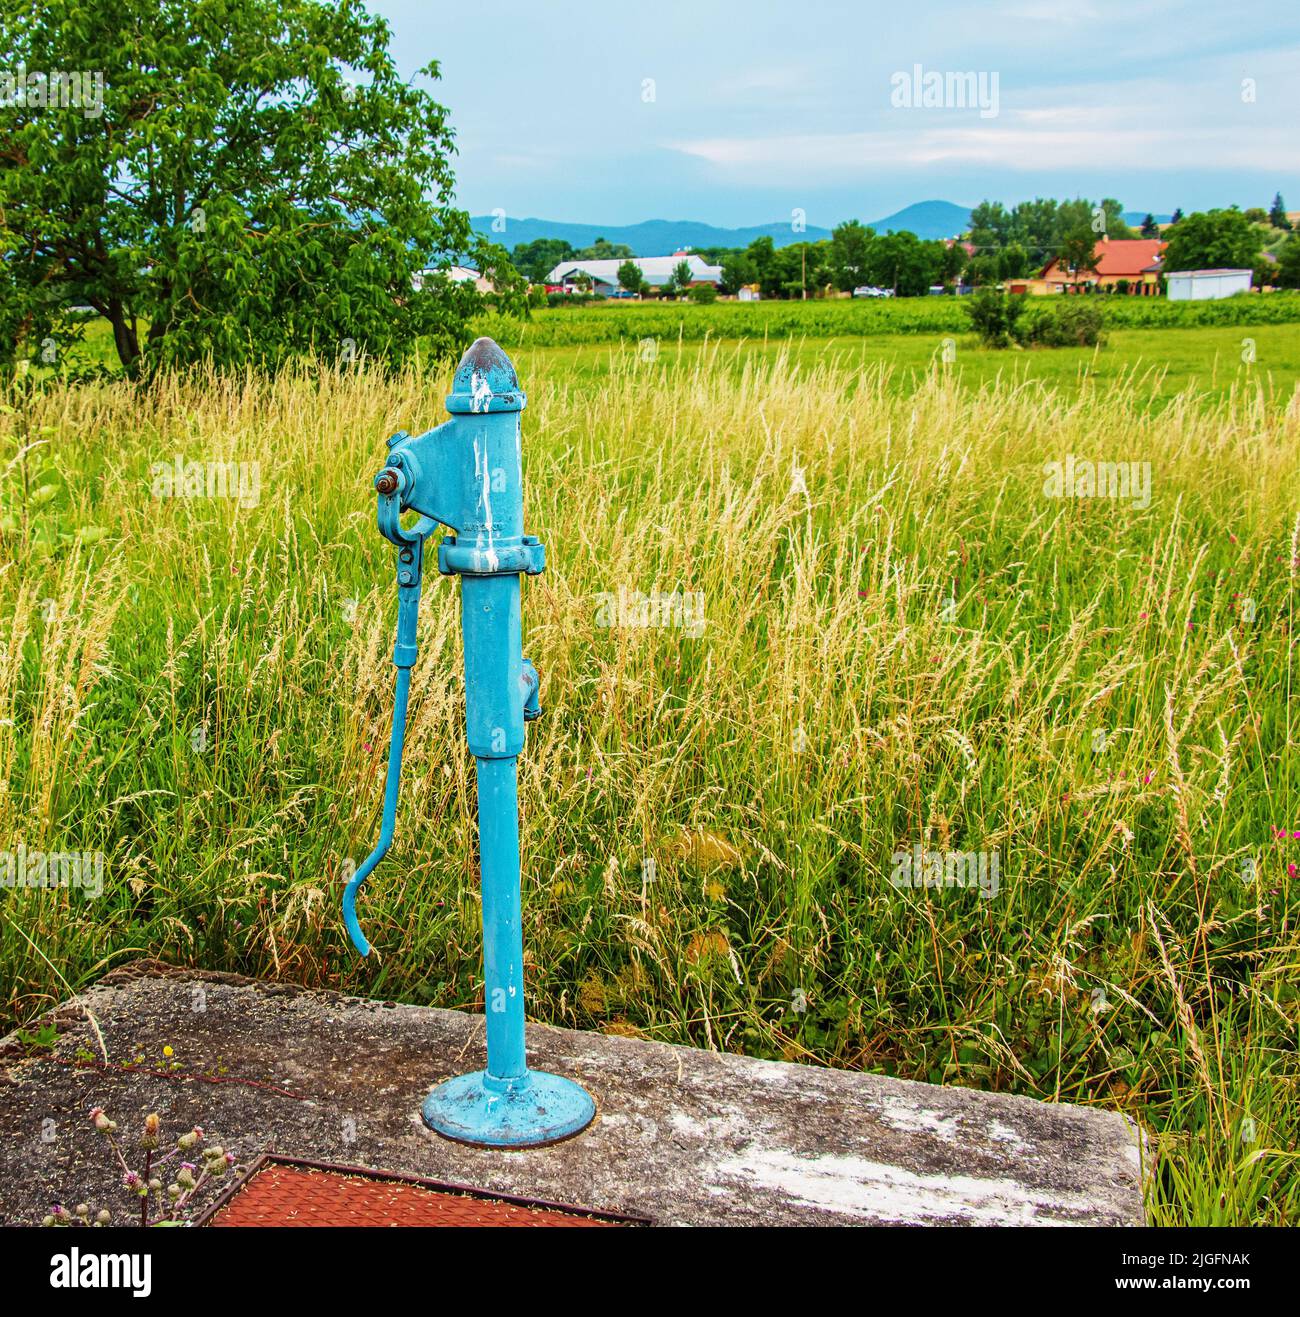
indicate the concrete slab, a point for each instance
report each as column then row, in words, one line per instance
column 684, row 1137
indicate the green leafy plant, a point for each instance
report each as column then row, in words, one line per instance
column 43, row 1038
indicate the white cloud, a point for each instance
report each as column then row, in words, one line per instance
column 1157, row 124
column 1017, row 142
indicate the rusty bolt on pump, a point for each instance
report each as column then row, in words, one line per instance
column 467, row 474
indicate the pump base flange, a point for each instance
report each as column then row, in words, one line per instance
column 527, row 1113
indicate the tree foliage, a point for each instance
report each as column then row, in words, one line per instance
column 604, row 250
column 1213, row 239
column 995, row 316
column 260, row 181
column 850, row 243
column 630, row 277
column 1288, row 263
column 535, row 260
column 1012, row 243
column 1078, row 251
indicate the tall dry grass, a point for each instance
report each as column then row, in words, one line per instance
column 907, row 643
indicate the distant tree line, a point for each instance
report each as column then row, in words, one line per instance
column 1013, row 243
column 535, row 260
column 1008, row 243
column 854, row 255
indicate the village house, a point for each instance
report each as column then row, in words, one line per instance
column 1130, row 264
column 601, row 277
column 458, row 274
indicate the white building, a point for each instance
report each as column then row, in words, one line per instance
column 1204, row 285
column 458, row 274
column 655, row 271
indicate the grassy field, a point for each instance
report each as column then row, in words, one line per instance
column 1155, row 363
column 909, row 642
column 618, row 321
column 1152, row 365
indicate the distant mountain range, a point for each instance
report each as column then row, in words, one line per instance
column 927, row 219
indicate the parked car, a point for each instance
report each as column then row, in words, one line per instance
column 867, row 290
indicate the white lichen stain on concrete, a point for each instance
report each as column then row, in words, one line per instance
column 1001, row 1133
column 770, row 1072
column 866, row 1190
column 917, row 1120
column 641, row 1126
column 719, row 1126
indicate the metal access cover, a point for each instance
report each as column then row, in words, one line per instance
column 287, row 1191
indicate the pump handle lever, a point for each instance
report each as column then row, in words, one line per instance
column 410, row 568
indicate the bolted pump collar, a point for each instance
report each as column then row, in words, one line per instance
column 485, row 381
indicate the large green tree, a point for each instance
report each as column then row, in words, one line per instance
column 951, row 262
column 535, row 260
column 1078, row 251
column 902, row 262
column 1288, row 263
column 1012, row 243
column 1213, row 239
column 1116, row 228
column 604, row 250
column 630, row 277
column 850, row 243
column 762, row 259
column 738, row 269
column 257, row 180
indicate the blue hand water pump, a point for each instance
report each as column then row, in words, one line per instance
column 467, row 474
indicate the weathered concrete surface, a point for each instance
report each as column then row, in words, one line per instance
column 681, row 1136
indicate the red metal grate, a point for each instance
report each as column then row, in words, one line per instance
column 279, row 1193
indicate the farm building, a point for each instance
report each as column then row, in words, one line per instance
column 1134, row 262
column 655, row 270
column 1206, row 285
column 458, row 274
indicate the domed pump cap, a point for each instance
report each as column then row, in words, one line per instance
column 485, row 381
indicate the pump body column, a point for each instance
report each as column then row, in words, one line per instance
column 505, row 1104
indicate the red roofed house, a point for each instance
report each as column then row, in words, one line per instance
column 1133, row 261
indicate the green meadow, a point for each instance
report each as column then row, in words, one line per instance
column 910, row 640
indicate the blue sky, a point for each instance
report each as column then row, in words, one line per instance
column 739, row 113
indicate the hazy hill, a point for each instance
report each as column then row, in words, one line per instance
column 927, row 219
